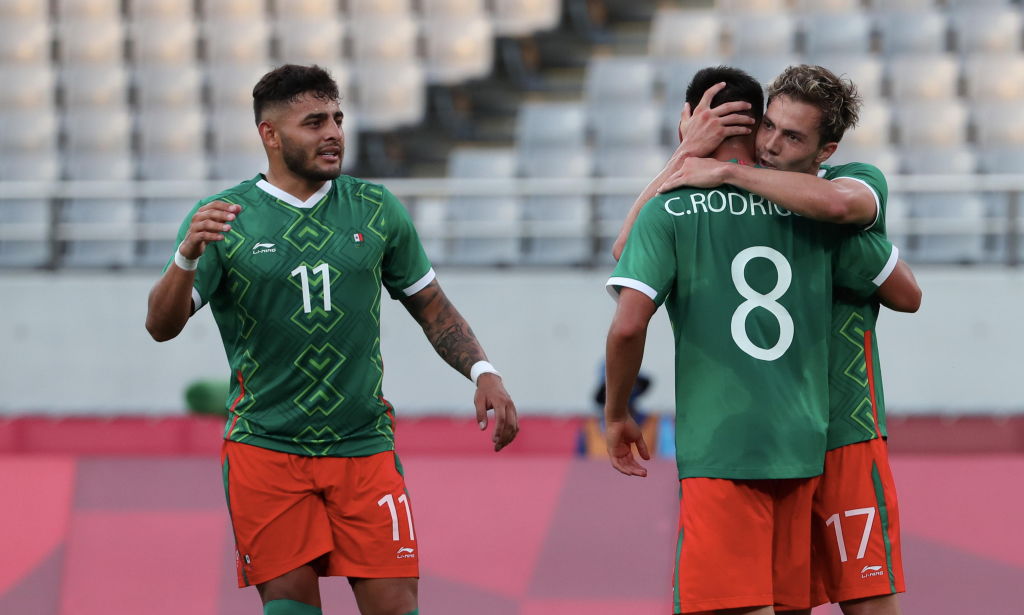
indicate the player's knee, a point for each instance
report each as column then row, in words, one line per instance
column 290, row 607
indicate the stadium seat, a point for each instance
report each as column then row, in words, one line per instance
column 152, row 10
column 28, row 130
column 240, row 42
column 902, row 5
column 931, row 77
column 557, row 230
column 772, row 34
column 35, row 86
column 628, row 124
column 172, row 144
column 98, row 130
column 94, row 86
column 1008, row 159
column 884, row 157
column 458, row 49
column 430, row 215
column 159, row 220
column 765, row 67
column 68, row 10
column 987, row 30
column 897, row 211
column 41, row 166
column 310, row 41
column 163, row 42
column 231, row 86
column 557, row 124
column 932, row 123
column 24, row 42
column 954, row 4
column 384, row 40
column 866, row 71
column 99, row 42
column 433, row 9
column 994, row 77
column 473, row 162
column 304, row 10
column 609, row 79
column 998, row 123
column 98, row 232
column 555, row 162
column 951, row 227
column 703, row 34
column 874, row 127
column 638, row 162
column 525, row 17
column 24, row 233
column 751, row 6
column 359, row 9
column 913, row 32
column 24, row 11
column 486, row 230
column 955, row 160
column 837, row 33
column 244, row 10
column 827, row 6
column 237, row 151
column 115, row 166
column 168, row 87
column 390, row 95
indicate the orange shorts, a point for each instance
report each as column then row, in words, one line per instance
column 857, row 525
column 288, row 510
column 743, row 543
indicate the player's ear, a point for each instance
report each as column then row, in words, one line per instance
column 826, row 152
column 268, row 134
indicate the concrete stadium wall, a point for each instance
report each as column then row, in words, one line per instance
column 75, row 343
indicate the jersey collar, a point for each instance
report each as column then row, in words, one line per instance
column 279, row 194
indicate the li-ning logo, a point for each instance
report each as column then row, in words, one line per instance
column 871, row 571
column 263, row 248
column 405, row 552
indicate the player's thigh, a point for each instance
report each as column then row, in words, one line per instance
column 856, row 524
column 724, row 545
column 792, row 577
column 279, row 520
column 371, row 517
column 385, row 596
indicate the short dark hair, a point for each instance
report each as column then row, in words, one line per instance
column 739, row 86
column 835, row 97
column 286, row 83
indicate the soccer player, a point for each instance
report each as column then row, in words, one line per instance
column 292, row 264
column 748, row 289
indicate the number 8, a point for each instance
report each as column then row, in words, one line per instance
column 755, row 299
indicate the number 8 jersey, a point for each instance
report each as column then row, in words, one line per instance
column 295, row 289
column 748, row 289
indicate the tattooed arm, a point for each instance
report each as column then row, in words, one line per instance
column 454, row 341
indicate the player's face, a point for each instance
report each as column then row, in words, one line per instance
column 789, row 138
column 312, row 138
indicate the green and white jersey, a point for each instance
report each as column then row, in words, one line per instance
column 295, row 289
column 748, row 288
column 856, row 399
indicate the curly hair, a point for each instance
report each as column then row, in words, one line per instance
column 287, row 83
column 835, row 97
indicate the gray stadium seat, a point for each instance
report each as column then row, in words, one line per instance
column 172, row 144
column 615, row 78
column 359, row 9
column 1002, row 159
column 998, row 123
column 491, row 225
column 963, row 214
column 114, row 166
column 24, row 11
column 458, row 49
column 35, row 86
column 390, row 39
column 977, row 3
column 525, row 17
column 827, row 6
column 955, row 160
column 902, row 5
column 168, row 87
column 837, row 33
column 237, row 41
column 99, row 42
column 882, row 156
column 233, row 9
column 98, row 232
column 913, row 32
column 471, row 162
column 932, row 123
column 98, row 130
column 931, row 77
column 88, row 9
column 994, row 77
column 237, row 151
column 28, row 130
column 170, row 10
column 390, row 95
column 865, row 71
column 554, row 124
column 24, row 233
column 305, row 9
column 675, row 74
column 771, row 34
column 897, row 211
column 987, row 30
column 25, row 42
column 751, row 6
column 639, row 162
column 626, row 124
column 555, row 162
column 557, row 230
column 765, row 68
column 165, row 42
column 468, row 163
column 310, row 41
column 430, row 216
column 433, row 9
column 231, row 86
column 160, row 218
column 874, row 127
column 30, row 166
column 703, row 34
column 95, row 86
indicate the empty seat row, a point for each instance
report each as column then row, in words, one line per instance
column 846, row 6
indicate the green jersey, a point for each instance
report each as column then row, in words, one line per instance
column 295, row 289
column 856, row 400
column 748, row 288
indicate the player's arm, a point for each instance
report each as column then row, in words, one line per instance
column 700, row 133
column 900, row 291
column 843, row 200
column 170, row 301
column 455, row 342
column 624, row 352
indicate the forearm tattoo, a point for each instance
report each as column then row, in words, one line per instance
column 448, row 332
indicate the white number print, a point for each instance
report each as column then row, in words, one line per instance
column 323, row 270
column 755, row 299
column 390, row 501
column 836, row 523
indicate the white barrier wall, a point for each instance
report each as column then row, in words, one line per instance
column 75, row 343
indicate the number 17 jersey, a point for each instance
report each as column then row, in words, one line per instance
column 295, row 289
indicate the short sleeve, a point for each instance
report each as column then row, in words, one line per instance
column 648, row 262
column 863, row 261
column 872, row 177
column 406, row 269
column 208, row 274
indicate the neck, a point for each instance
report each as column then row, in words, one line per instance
column 740, row 149
column 299, row 187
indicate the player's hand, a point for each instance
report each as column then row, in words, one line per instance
column 702, row 129
column 620, row 437
column 491, row 395
column 696, row 172
column 209, row 223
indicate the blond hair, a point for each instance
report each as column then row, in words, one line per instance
column 835, row 97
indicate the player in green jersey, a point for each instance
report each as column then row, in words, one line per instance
column 292, row 264
column 809, row 109
column 748, row 287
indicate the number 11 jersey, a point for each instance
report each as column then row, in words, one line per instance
column 295, row 289
column 748, row 289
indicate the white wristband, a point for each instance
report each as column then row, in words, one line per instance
column 482, row 367
column 188, row 264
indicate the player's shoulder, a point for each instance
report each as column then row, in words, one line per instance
column 235, row 194
column 855, row 170
column 360, row 189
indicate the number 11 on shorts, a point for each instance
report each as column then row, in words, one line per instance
column 837, row 525
column 390, row 501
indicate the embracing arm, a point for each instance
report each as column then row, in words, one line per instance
column 452, row 338
column 900, row 291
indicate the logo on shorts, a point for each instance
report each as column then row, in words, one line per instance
column 263, row 248
column 405, row 553
column 248, row 560
column 871, row 571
